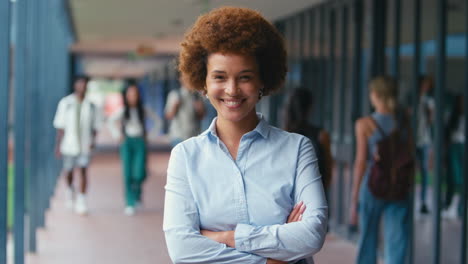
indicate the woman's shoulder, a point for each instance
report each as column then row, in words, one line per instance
column 365, row 125
column 194, row 144
column 280, row 135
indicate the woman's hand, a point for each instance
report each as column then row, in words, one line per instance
column 227, row 237
column 223, row 237
column 274, row 261
column 353, row 214
column 296, row 213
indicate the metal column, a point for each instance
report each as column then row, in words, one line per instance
column 41, row 87
column 330, row 87
column 321, row 87
column 439, row 121
column 377, row 29
column 19, row 128
column 396, row 40
column 414, row 103
column 342, row 102
column 357, row 60
column 34, row 136
column 464, row 196
column 4, row 96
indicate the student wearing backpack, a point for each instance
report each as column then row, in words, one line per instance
column 383, row 170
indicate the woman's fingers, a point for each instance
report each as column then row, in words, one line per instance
column 296, row 213
column 274, row 261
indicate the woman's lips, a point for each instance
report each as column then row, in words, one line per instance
column 232, row 104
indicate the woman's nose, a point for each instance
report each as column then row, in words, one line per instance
column 231, row 88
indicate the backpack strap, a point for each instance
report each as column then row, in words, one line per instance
column 382, row 132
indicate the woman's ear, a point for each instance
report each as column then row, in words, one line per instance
column 204, row 92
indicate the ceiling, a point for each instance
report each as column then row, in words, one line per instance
column 119, row 26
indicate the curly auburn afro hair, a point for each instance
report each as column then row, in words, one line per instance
column 233, row 30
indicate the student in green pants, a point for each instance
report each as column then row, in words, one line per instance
column 133, row 144
column 455, row 140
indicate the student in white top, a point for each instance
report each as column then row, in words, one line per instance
column 77, row 121
column 128, row 125
column 425, row 117
column 185, row 110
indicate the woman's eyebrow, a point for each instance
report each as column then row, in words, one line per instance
column 243, row 71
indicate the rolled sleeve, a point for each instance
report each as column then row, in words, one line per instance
column 182, row 223
column 298, row 240
column 59, row 118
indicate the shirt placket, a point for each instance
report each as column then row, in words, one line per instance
column 240, row 200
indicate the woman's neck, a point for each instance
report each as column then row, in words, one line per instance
column 382, row 109
column 231, row 132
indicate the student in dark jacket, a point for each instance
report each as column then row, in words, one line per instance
column 298, row 110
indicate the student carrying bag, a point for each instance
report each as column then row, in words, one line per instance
column 391, row 175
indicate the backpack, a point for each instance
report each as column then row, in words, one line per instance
column 391, row 175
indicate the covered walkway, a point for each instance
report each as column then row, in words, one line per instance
column 334, row 48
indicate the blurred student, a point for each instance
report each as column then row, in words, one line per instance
column 185, row 110
column 425, row 117
column 383, row 170
column 298, row 109
column 77, row 120
column 455, row 141
column 128, row 125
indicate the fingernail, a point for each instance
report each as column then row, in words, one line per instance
column 303, row 207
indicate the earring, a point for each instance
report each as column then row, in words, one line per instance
column 260, row 94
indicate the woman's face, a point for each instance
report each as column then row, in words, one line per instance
column 80, row 87
column 233, row 84
column 132, row 95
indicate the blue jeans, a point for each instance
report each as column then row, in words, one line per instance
column 396, row 228
column 422, row 154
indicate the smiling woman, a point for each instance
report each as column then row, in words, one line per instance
column 243, row 191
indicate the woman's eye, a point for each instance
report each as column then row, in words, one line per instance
column 246, row 77
column 218, row 77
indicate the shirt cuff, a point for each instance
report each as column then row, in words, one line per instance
column 250, row 238
column 241, row 237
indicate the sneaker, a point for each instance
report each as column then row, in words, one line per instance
column 424, row 209
column 81, row 207
column 448, row 214
column 129, row 210
column 69, row 198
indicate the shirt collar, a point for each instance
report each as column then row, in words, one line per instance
column 262, row 128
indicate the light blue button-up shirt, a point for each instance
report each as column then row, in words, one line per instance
column 253, row 195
